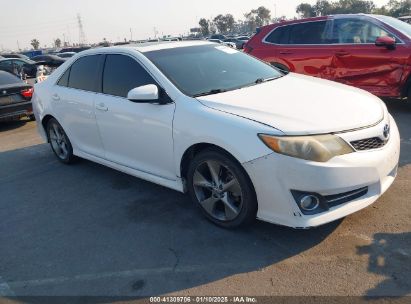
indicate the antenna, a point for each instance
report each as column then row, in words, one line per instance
column 82, row 36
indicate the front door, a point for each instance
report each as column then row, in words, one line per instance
column 360, row 63
column 136, row 135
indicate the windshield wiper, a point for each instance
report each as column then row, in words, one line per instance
column 261, row 80
column 211, row 92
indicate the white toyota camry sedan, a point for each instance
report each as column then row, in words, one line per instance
column 244, row 140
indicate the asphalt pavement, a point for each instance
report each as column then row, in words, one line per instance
column 89, row 230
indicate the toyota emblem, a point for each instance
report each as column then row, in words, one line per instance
column 386, row 131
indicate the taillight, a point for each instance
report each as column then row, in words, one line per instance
column 28, row 93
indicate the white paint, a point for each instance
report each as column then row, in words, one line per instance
column 149, row 140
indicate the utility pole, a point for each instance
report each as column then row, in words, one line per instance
column 82, row 36
column 18, row 45
column 131, row 34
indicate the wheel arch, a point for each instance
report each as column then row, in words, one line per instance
column 44, row 123
column 406, row 89
column 281, row 67
column 194, row 149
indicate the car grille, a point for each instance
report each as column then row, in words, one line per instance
column 368, row 144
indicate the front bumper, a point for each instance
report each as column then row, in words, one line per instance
column 275, row 175
column 16, row 110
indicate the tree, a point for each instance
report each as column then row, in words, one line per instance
column 258, row 17
column 57, row 43
column 204, row 26
column 224, row 23
column 399, row 8
column 35, row 44
column 352, row 7
column 325, row 7
column 305, row 10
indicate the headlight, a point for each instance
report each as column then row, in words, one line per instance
column 319, row 148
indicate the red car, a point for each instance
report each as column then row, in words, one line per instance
column 366, row 51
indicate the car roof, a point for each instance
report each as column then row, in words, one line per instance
column 148, row 46
column 16, row 58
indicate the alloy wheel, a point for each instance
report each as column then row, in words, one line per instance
column 217, row 190
column 58, row 141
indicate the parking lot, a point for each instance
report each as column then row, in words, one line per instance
column 90, row 230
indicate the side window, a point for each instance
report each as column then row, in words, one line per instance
column 122, row 73
column 280, row 35
column 83, row 73
column 64, row 79
column 353, row 31
column 308, row 33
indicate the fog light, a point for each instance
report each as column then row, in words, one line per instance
column 309, row 202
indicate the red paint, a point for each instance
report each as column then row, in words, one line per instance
column 382, row 68
column 28, row 93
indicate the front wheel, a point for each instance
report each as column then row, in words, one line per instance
column 222, row 189
column 59, row 142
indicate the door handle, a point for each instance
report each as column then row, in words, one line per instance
column 286, row 52
column 342, row 53
column 102, row 107
column 55, row 97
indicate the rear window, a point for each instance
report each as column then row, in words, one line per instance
column 83, row 73
column 7, row 78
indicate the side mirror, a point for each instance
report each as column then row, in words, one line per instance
column 146, row 93
column 385, row 41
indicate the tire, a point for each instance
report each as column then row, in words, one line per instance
column 228, row 208
column 32, row 117
column 59, row 142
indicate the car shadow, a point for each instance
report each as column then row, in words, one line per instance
column 389, row 256
column 11, row 124
column 90, row 230
column 401, row 111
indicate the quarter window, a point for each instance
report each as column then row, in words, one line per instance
column 280, row 35
column 122, row 74
column 84, row 73
column 64, row 79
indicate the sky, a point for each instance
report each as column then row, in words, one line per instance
column 46, row 20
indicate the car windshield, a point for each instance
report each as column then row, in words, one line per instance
column 210, row 69
column 399, row 25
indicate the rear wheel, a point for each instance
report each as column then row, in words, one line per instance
column 222, row 189
column 59, row 142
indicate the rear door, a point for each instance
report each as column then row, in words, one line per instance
column 73, row 101
column 135, row 134
column 305, row 48
column 358, row 62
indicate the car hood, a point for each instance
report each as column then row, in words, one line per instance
column 300, row 105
